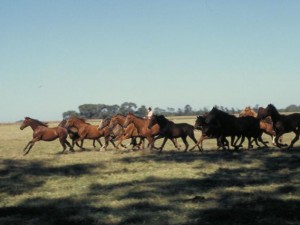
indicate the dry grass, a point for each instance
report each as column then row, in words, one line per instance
column 143, row 187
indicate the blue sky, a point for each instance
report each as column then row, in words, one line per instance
column 57, row 55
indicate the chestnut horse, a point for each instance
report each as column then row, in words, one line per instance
column 73, row 134
column 130, row 131
column 248, row 112
column 141, row 125
column 283, row 124
column 110, row 134
column 85, row 130
column 41, row 132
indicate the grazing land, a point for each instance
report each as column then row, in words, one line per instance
column 259, row 186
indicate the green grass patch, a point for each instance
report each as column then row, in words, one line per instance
column 143, row 187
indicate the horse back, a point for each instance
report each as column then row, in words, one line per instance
column 50, row 134
column 289, row 122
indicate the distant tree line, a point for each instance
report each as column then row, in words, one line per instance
column 96, row 111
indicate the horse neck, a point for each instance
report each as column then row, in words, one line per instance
column 78, row 124
column 34, row 125
column 121, row 120
column 275, row 116
column 139, row 122
column 163, row 122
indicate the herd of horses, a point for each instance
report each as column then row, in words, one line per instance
column 215, row 124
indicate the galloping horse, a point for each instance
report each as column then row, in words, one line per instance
column 117, row 122
column 85, row 130
column 141, row 125
column 248, row 112
column 200, row 124
column 265, row 124
column 229, row 125
column 283, row 124
column 41, row 132
column 171, row 130
column 73, row 134
column 109, row 134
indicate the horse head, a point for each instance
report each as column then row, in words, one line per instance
column 104, row 123
column 200, row 122
column 25, row 123
column 129, row 119
column 153, row 121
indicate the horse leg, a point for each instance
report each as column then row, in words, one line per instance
column 175, row 143
column 163, row 144
column 71, row 149
column 30, row 144
column 98, row 140
column 295, row 139
column 186, row 143
column 236, row 147
column 225, row 142
column 192, row 136
column 278, row 135
column 249, row 142
column 199, row 143
column 263, row 142
column 27, row 145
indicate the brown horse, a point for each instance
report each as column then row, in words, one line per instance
column 248, row 111
column 41, row 132
column 85, row 130
column 110, row 134
column 73, row 134
column 142, row 127
column 283, row 124
column 129, row 132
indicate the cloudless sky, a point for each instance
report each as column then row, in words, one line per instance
column 57, row 55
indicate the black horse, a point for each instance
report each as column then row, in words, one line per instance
column 283, row 124
column 200, row 125
column 224, row 124
column 171, row 130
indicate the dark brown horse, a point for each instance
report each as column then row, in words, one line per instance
column 41, row 132
column 283, row 124
column 85, row 130
column 199, row 125
column 265, row 124
column 229, row 125
column 171, row 130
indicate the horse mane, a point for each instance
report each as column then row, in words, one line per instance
column 220, row 112
column 118, row 114
column 272, row 106
column 78, row 118
column 130, row 113
column 38, row 122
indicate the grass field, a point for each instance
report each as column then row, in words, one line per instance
column 142, row 187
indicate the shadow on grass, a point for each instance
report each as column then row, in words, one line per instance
column 18, row 176
column 226, row 196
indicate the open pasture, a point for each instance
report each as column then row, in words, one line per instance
column 142, row 187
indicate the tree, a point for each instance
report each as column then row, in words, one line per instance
column 70, row 113
column 188, row 110
column 127, row 107
column 142, row 111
